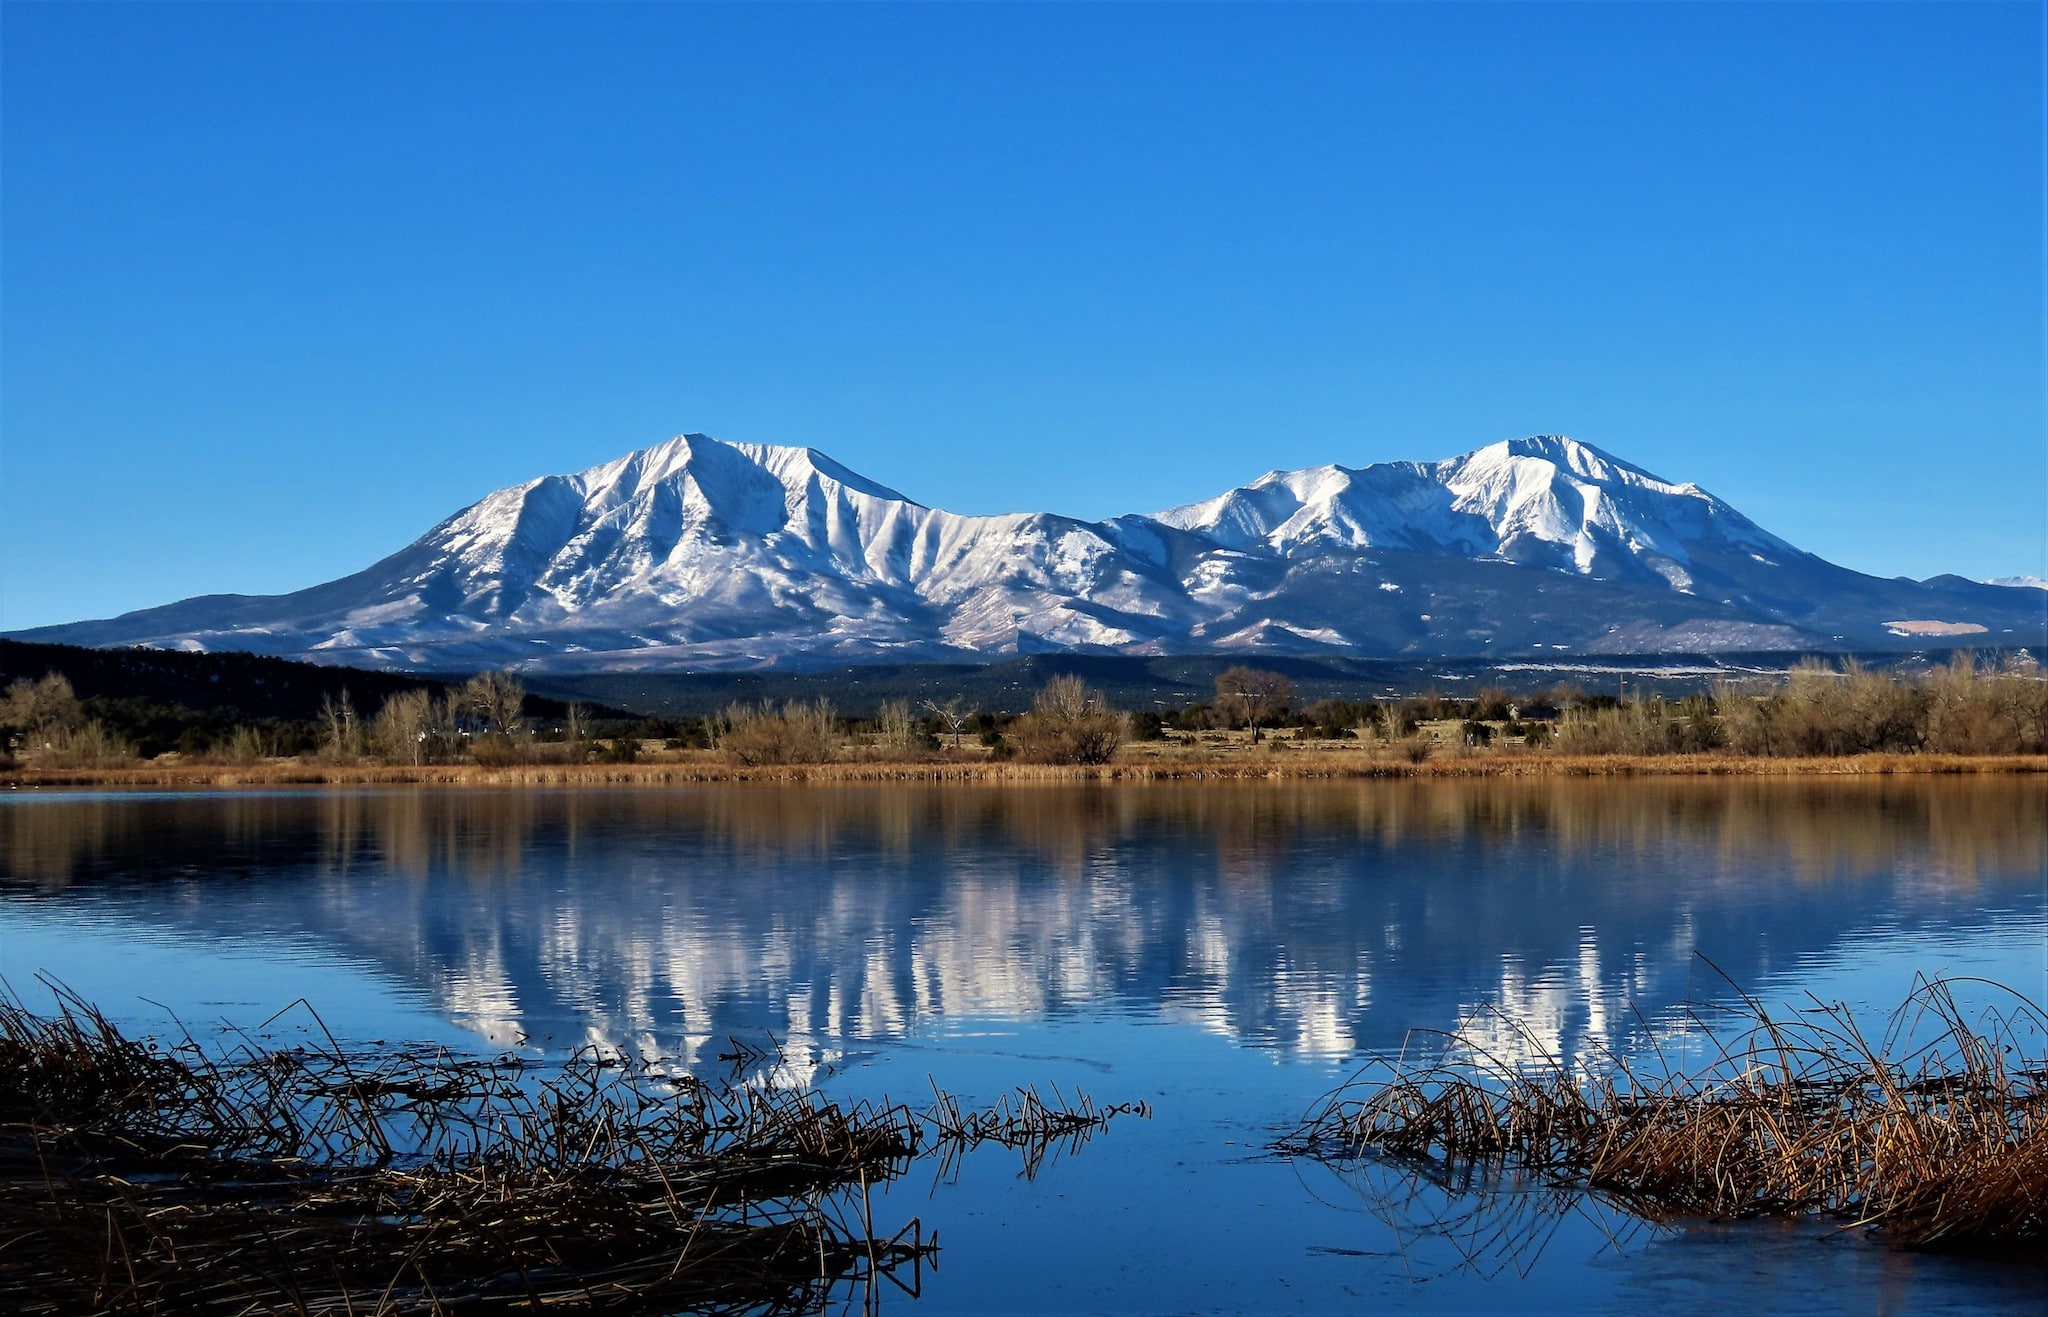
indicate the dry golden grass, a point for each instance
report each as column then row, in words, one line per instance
column 139, row 1178
column 1933, row 1132
column 1135, row 764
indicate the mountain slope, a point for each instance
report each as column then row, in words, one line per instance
column 698, row 552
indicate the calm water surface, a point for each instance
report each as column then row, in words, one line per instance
column 1227, row 953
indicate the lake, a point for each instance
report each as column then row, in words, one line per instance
column 1225, row 953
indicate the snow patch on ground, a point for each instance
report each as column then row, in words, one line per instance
column 1931, row 627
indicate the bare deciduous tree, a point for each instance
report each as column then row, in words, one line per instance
column 493, row 700
column 411, row 726
column 1253, row 694
column 950, row 717
column 342, row 732
column 896, row 729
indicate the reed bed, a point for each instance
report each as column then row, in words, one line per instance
column 1932, row 1132
column 139, row 1178
column 1132, row 767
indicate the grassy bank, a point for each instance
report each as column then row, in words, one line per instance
column 1131, row 766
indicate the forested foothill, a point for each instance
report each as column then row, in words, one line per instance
column 95, row 705
column 70, row 709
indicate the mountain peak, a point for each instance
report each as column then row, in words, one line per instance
column 708, row 461
column 1565, row 453
column 1552, row 447
column 701, row 552
column 1543, row 499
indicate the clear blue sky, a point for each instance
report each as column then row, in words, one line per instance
column 283, row 286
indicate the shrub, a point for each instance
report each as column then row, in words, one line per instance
column 1975, row 713
column 1068, row 724
column 799, row 732
column 1430, row 706
column 413, row 727
column 42, row 708
column 1639, row 727
column 1388, row 723
column 1699, row 727
column 899, row 732
column 495, row 751
column 54, row 729
column 246, row 745
column 1956, row 709
column 1334, row 720
column 89, row 746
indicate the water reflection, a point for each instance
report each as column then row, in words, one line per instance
column 1490, row 1226
column 1310, row 918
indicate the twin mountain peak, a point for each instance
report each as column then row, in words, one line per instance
column 700, row 553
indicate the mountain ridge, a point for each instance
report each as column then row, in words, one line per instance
column 704, row 552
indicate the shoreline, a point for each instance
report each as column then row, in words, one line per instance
column 1191, row 769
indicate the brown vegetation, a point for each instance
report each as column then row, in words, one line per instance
column 751, row 735
column 1937, row 1142
column 967, row 767
column 1819, row 710
column 53, row 728
column 1069, row 724
column 1957, row 718
column 139, row 1179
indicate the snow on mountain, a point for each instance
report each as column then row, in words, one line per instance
column 698, row 552
column 737, row 539
column 2021, row 582
column 1543, row 501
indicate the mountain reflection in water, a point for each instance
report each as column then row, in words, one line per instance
column 1313, row 919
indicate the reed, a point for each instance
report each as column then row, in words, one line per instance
column 1308, row 765
column 1933, row 1133
column 141, row 1178
column 1038, row 1130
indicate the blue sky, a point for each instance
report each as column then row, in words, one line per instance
column 283, row 286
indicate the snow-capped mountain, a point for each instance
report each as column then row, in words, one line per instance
column 1545, row 501
column 702, row 553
